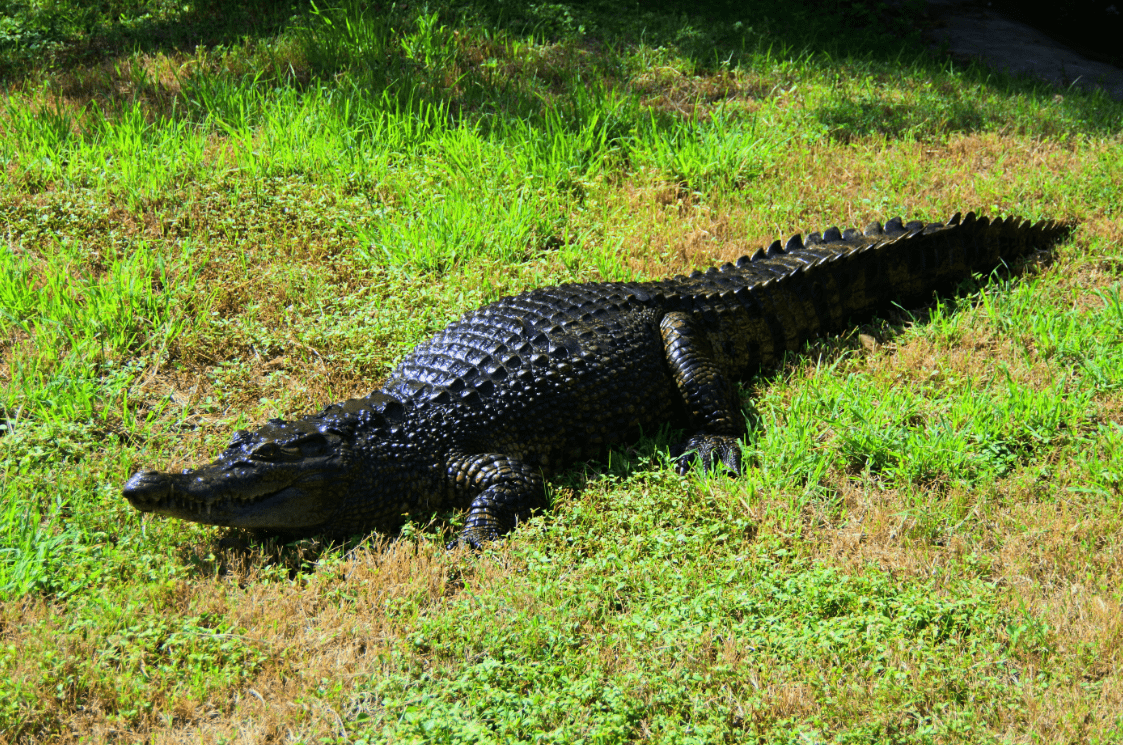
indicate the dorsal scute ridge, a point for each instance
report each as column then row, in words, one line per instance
column 783, row 259
column 796, row 247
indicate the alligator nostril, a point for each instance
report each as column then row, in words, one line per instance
column 147, row 486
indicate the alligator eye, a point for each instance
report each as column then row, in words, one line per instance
column 265, row 451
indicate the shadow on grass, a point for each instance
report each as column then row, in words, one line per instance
column 63, row 35
column 426, row 54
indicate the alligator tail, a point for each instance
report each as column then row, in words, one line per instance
column 829, row 281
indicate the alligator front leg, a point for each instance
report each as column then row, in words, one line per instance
column 507, row 492
column 711, row 399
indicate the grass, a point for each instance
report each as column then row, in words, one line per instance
column 214, row 217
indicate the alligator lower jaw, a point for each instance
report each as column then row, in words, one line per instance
column 210, row 512
column 287, row 509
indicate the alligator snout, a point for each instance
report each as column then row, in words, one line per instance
column 147, row 487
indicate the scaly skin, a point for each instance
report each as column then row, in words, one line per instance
column 481, row 413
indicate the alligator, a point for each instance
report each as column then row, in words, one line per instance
column 481, row 413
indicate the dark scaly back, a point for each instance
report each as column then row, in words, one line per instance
column 535, row 330
column 754, row 311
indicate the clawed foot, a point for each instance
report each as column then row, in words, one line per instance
column 713, row 450
column 474, row 538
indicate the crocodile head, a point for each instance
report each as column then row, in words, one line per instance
column 300, row 476
column 260, row 481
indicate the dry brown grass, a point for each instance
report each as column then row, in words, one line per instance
column 668, row 230
column 329, row 628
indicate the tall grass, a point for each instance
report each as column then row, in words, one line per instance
column 722, row 153
column 81, row 332
column 33, row 551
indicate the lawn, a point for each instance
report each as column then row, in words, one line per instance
column 213, row 217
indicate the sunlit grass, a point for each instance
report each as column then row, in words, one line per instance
column 199, row 235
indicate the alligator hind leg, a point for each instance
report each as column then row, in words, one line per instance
column 510, row 491
column 711, row 399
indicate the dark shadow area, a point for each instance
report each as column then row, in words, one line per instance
column 1094, row 28
column 35, row 36
column 245, row 553
column 399, row 50
column 713, row 33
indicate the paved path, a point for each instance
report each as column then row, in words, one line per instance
column 972, row 30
